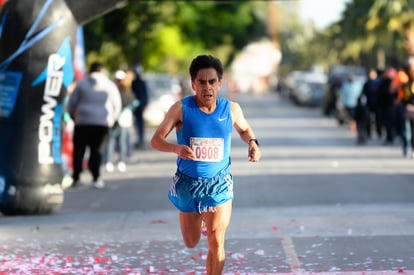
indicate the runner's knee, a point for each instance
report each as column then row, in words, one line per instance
column 191, row 240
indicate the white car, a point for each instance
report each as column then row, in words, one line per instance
column 307, row 87
column 163, row 91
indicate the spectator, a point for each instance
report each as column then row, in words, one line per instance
column 362, row 119
column 335, row 84
column 397, row 87
column 396, row 90
column 94, row 105
column 407, row 103
column 350, row 92
column 386, row 108
column 370, row 91
column 119, row 134
column 139, row 88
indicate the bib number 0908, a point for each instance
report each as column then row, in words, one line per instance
column 207, row 149
column 206, row 152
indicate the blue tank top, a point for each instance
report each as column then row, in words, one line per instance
column 209, row 135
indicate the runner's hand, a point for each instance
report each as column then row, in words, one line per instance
column 254, row 152
column 186, row 152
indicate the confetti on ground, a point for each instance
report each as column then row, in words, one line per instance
column 254, row 257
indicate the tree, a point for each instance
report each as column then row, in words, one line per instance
column 368, row 34
column 369, row 31
column 164, row 35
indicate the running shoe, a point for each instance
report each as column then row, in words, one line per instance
column 204, row 228
column 99, row 184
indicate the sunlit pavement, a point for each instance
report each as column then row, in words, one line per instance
column 315, row 204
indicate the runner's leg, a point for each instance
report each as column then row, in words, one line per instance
column 217, row 223
column 190, row 224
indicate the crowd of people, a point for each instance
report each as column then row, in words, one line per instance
column 382, row 106
column 104, row 111
column 385, row 103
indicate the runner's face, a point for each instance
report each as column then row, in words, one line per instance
column 206, row 86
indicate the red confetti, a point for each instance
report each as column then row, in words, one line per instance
column 101, row 249
column 101, row 260
column 42, row 260
column 69, row 259
column 400, row 270
column 158, row 221
column 275, row 228
column 200, row 254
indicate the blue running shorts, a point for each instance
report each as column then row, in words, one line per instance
column 200, row 194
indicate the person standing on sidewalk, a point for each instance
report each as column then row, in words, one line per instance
column 397, row 90
column 118, row 138
column 202, row 188
column 408, row 106
column 139, row 88
column 349, row 93
column 94, row 106
column 370, row 91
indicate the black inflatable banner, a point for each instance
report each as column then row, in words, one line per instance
column 36, row 67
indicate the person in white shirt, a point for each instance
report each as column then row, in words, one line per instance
column 94, row 105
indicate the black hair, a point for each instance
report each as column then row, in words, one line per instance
column 380, row 71
column 205, row 62
column 95, row 67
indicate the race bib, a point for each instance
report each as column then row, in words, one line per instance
column 207, row 149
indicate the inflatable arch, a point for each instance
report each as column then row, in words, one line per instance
column 36, row 67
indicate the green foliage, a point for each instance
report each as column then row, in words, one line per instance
column 127, row 28
column 165, row 35
column 368, row 34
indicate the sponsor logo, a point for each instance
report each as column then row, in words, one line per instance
column 49, row 128
column 58, row 72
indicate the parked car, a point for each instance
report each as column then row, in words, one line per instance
column 163, row 91
column 307, row 87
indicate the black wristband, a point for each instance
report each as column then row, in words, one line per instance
column 255, row 141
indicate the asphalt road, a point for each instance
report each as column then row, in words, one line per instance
column 316, row 203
